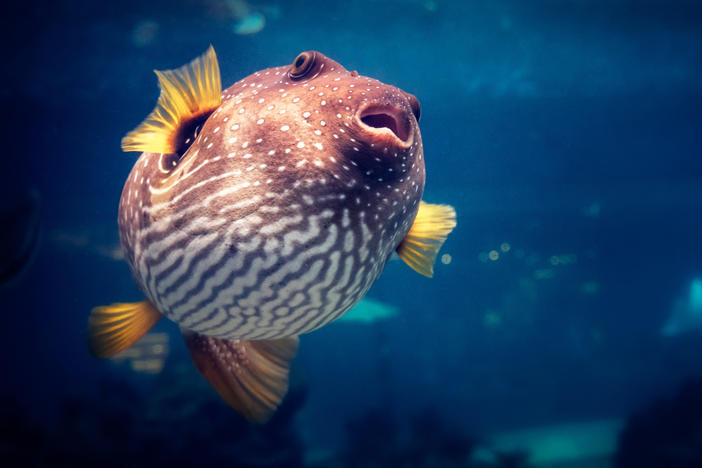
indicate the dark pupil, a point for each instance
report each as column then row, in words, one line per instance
column 300, row 60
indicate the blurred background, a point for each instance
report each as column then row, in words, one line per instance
column 562, row 326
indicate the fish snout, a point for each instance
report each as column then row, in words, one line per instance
column 414, row 104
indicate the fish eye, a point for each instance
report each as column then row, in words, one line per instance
column 302, row 65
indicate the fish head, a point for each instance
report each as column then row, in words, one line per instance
column 317, row 100
column 324, row 121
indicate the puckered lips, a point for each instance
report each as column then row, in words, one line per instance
column 386, row 120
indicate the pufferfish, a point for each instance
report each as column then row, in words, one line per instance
column 265, row 211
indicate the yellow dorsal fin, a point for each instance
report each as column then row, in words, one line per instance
column 431, row 226
column 116, row 327
column 189, row 92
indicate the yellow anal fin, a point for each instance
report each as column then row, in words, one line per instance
column 431, row 226
column 116, row 327
column 251, row 376
column 189, row 93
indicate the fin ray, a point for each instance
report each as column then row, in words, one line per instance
column 421, row 245
column 251, row 376
column 191, row 91
column 116, row 327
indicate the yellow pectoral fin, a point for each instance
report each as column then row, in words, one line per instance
column 190, row 92
column 116, row 327
column 431, row 226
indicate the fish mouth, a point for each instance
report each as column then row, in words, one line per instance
column 386, row 119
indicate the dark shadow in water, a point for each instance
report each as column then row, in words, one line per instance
column 667, row 433
column 116, row 426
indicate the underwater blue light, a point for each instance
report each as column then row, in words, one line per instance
column 696, row 294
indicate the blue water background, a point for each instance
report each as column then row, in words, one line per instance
column 567, row 129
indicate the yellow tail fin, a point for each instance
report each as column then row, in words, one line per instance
column 431, row 226
column 189, row 92
column 116, row 327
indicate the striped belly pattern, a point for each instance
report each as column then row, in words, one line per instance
column 234, row 262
